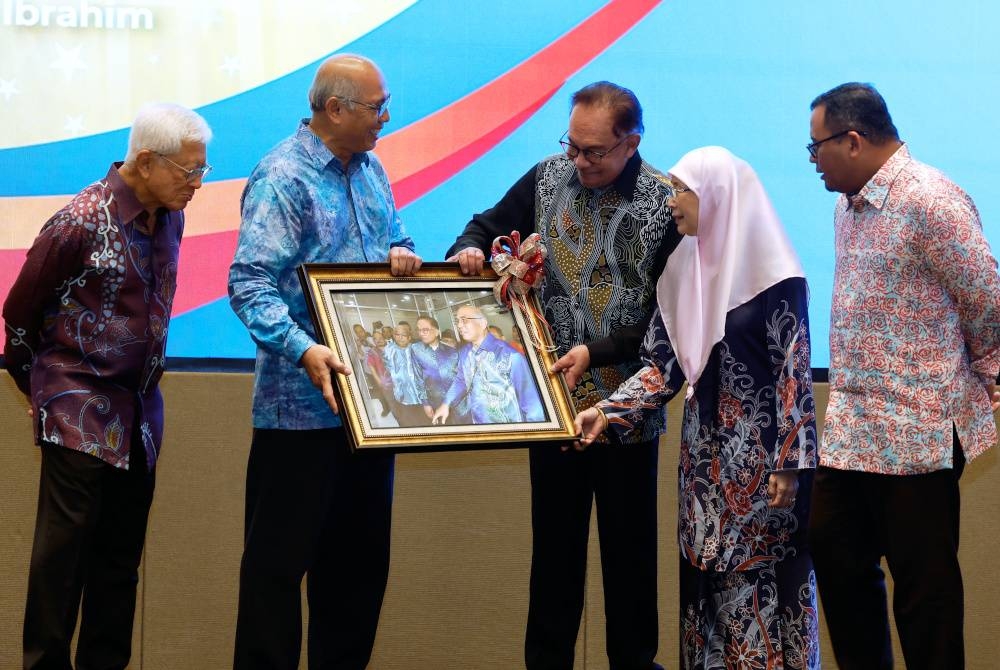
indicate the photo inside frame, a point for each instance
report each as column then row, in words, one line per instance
column 441, row 365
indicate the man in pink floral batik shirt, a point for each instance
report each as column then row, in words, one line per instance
column 914, row 355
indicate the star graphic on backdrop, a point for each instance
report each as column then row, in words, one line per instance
column 231, row 65
column 74, row 125
column 207, row 19
column 8, row 89
column 68, row 61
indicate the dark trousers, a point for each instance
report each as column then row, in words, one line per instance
column 89, row 534
column 913, row 521
column 313, row 509
column 563, row 488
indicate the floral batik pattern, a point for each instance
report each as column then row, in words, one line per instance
column 750, row 414
column 914, row 325
column 87, row 321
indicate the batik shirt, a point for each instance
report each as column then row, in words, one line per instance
column 495, row 380
column 914, row 325
column 751, row 414
column 606, row 249
column 301, row 205
column 406, row 388
column 87, row 321
column 436, row 369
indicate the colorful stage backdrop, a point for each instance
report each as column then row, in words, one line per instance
column 480, row 92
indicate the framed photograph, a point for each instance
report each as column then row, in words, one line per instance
column 436, row 362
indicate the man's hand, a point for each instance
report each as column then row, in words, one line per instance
column 782, row 488
column 589, row 424
column 403, row 262
column 994, row 396
column 318, row 361
column 573, row 365
column 470, row 259
column 440, row 415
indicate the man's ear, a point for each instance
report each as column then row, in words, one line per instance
column 855, row 143
column 332, row 107
column 144, row 162
column 633, row 143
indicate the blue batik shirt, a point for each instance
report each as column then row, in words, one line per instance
column 405, row 387
column 301, row 205
column 436, row 368
column 496, row 381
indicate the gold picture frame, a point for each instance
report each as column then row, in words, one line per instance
column 493, row 404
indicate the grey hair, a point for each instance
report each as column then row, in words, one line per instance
column 328, row 85
column 163, row 126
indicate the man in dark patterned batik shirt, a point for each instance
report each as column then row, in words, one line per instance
column 86, row 325
column 602, row 213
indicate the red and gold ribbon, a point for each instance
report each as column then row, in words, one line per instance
column 520, row 267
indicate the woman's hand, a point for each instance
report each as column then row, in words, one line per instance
column 782, row 488
column 589, row 424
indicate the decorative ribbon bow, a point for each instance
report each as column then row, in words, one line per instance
column 520, row 268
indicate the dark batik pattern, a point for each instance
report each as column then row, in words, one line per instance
column 605, row 253
column 750, row 414
column 87, row 322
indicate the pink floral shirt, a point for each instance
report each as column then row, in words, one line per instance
column 914, row 326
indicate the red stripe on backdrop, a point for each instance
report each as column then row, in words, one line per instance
column 418, row 158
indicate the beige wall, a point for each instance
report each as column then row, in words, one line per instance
column 461, row 546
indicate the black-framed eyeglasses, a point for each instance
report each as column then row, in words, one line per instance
column 190, row 176
column 813, row 147
column 592, row 155
column 379, row 109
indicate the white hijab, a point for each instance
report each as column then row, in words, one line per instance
column 741, row 249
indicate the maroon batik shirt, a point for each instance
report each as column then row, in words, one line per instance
column 87, row 322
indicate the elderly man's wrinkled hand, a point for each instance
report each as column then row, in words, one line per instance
column 319, row 361
column 403, row 262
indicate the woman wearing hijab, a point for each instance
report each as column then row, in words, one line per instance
column 733, row 323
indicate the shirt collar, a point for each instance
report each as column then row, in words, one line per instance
column 625, row 182
column 129, row 206
column 321, row 154
column 876, row 191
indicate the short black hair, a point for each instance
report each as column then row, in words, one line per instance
column 620, row 100
column 431, row 320
column 857, row 106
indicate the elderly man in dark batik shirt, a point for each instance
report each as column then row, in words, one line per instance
column 86, row 324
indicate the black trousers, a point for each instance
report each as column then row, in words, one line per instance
column 89, row 533
column 913, row 521
column 563, row 489
column 313, row 509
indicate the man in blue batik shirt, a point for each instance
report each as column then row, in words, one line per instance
column 407, row 390
column 492, row 376
column 311, row 505
column 436, row 364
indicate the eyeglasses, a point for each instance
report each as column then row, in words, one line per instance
column 425, row 330
column 190, row 176
column 813, row 148
column 463, row 320
column 592, row 155
column 679, row 189
column 379, row 109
